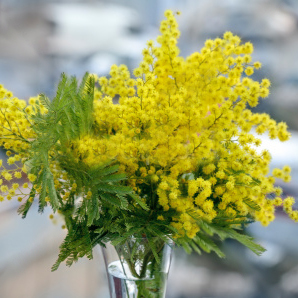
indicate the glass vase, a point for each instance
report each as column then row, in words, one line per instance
column 135, row 270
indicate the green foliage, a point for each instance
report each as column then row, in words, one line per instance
column 220, row 229
column 69, row 116
column 205, row 243
column 88, row 219
column 76, row 244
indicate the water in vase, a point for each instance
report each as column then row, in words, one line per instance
column 126, row 285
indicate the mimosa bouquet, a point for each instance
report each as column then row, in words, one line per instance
column 167, row 154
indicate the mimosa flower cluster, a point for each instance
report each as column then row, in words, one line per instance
column 181, row 127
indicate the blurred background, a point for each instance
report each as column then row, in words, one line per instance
column 39, row 39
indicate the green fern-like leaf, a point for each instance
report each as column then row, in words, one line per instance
column 226, row 232
column 206, row 244
column 23, row 209
column 76, row 244
column 139, row 201
column 253, row 205
column 110, row 188
column 93, row 209
column 111, row 198
column 243, row 239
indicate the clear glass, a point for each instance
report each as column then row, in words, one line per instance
column 133, row 270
